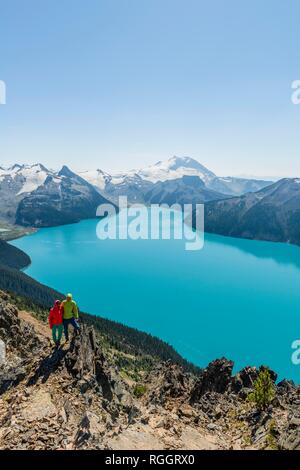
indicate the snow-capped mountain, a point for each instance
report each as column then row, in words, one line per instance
column 171, row 169
column 175, row 168
column 24, row 178
column 97, row 178
column 15, row 183
column 35, row 195
column 32, row 195
column 135, row 183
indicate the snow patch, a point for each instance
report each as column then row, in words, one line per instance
column 34, row 176
column 97, row 178
column 175, row 168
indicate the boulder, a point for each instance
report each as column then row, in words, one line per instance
column 11, row 377
column 216, row 378
column 244, row 380
column 167, row 381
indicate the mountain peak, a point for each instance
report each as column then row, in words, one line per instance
column 188, row 162
column 175, row 168
column 40, row 167
column 16, row 166
column 65, row 171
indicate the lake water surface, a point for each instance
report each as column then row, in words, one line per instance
column 235, row 298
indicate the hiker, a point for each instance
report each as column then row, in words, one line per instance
column 56, row 322
column 70, row 315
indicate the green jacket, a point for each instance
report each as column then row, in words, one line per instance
column 70, row 309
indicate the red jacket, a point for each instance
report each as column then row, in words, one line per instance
column 55, row 316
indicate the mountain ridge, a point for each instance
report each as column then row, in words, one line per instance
column 271, row 214
column 77, row 397
column 33, row 195
column 185, row 190
column 175, row 168
column 38, row 197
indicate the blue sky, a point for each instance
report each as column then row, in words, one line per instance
column 118, row 84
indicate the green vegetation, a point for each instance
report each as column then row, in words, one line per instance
column 264, row 392
column 132, row 350
column 19, row 284
column 132, row 366
column 139, row 390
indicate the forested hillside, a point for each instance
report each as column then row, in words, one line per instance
column 13, row 257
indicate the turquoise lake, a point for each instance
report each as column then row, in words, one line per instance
column 234, row 298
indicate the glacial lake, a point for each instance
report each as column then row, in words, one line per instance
column 234, row 298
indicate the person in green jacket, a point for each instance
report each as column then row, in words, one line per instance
column 70, row 315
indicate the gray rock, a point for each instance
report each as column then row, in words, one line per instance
column 290, row 441
column 216, row 378
column 166, row 381
column 2, row 352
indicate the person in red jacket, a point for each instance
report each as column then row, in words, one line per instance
column 56, row 322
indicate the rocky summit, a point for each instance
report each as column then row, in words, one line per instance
column 75, row 397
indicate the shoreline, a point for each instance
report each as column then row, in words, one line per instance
column 282, row 256
column 9, row 233
column 104, row 322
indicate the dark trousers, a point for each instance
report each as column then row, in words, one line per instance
column 74, row 323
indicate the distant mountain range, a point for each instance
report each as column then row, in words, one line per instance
column 272, row 214
column 184, row 190
column 32, row 195
column 137, row 183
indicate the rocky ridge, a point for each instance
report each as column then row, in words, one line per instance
column 75, row 398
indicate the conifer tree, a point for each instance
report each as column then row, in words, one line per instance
column 264, row 391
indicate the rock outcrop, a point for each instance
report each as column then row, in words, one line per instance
column 165, row 382
column 74, row 397
column 216, row 378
